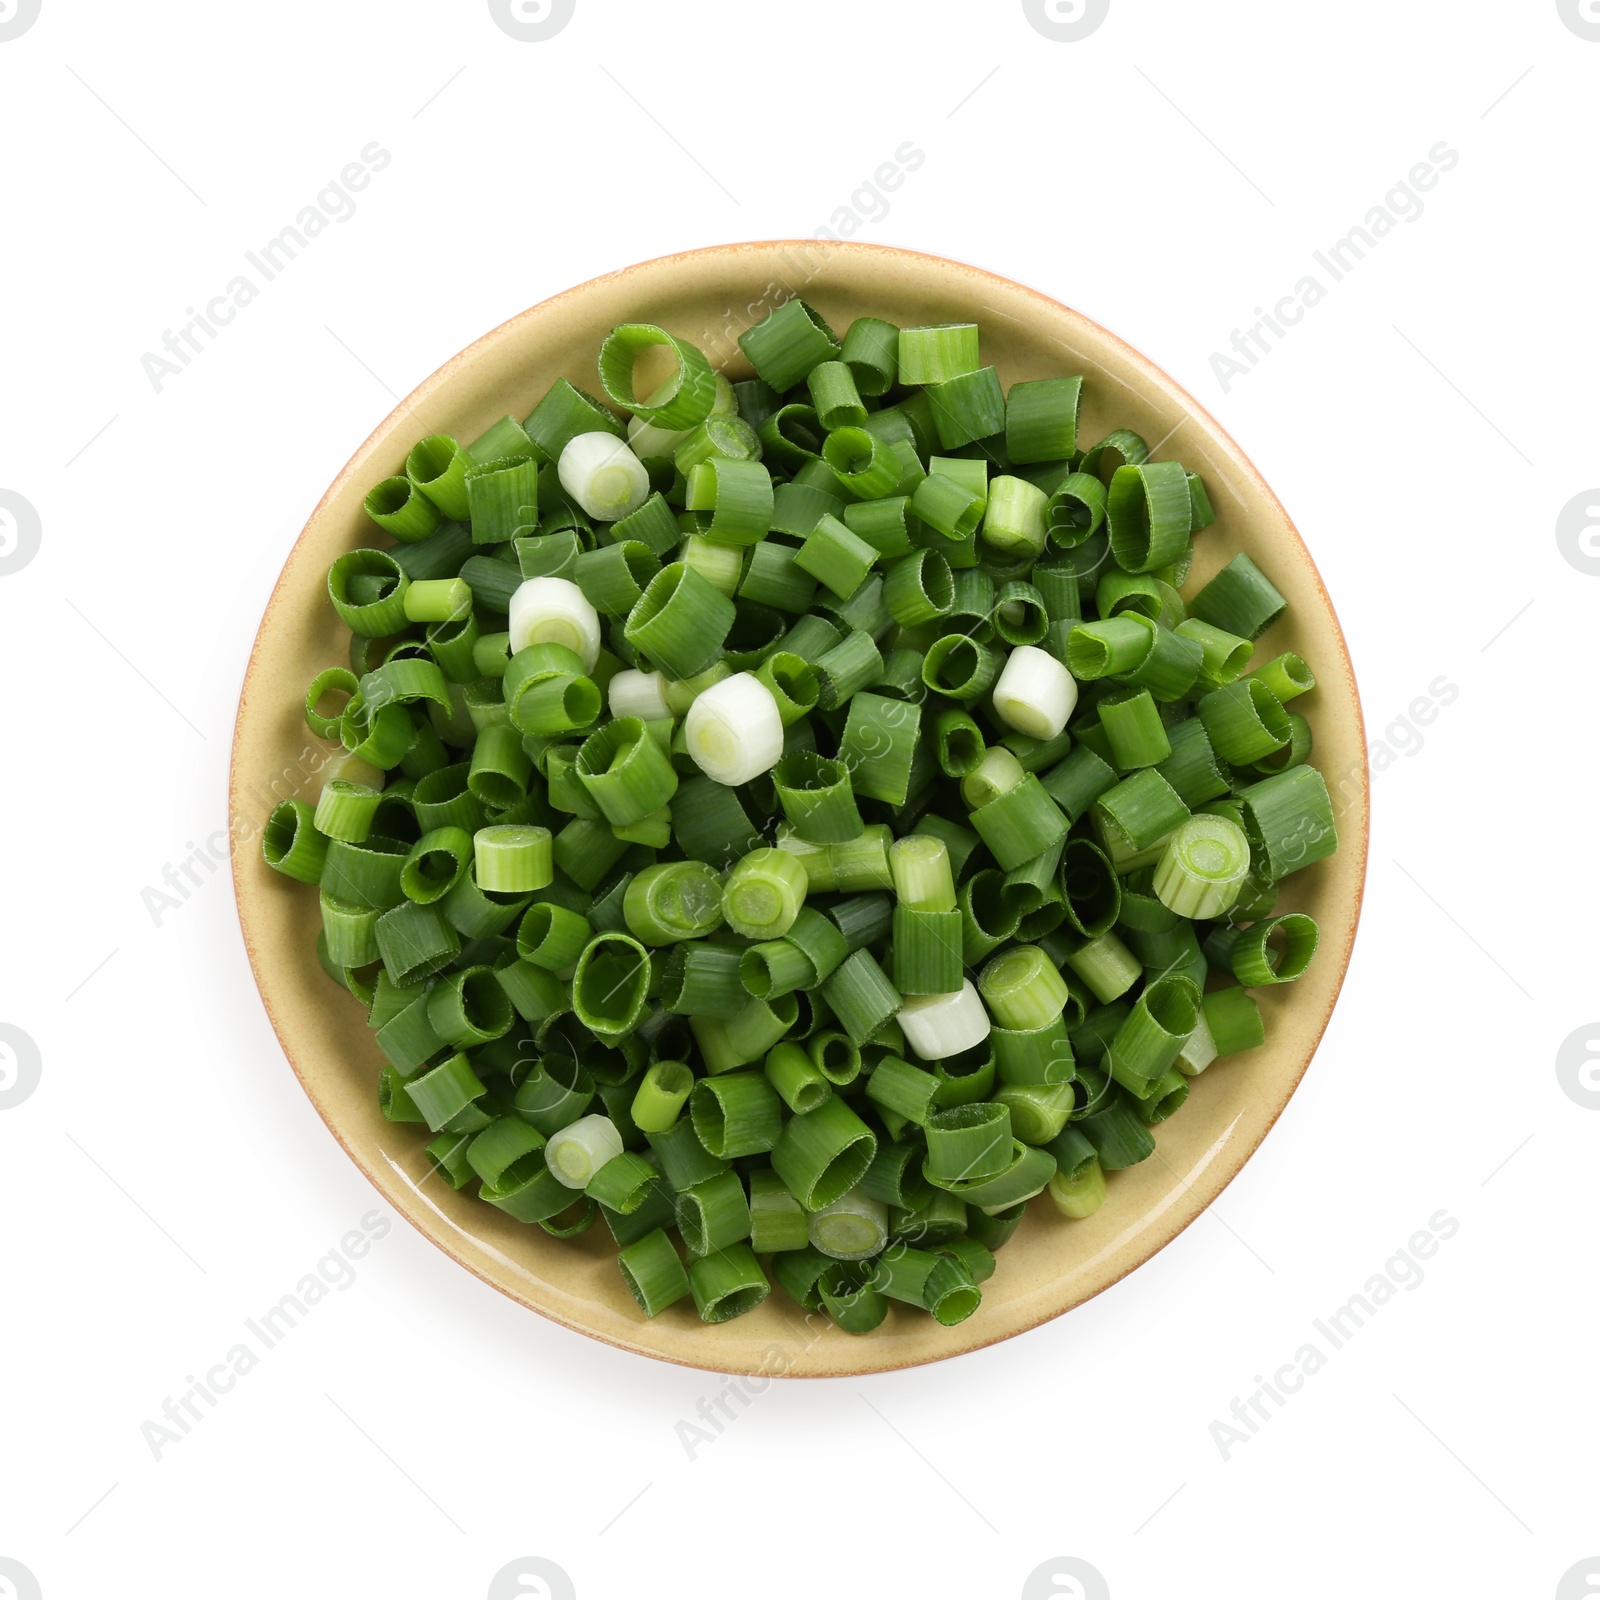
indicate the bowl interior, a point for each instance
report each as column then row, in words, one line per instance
column 710, row 297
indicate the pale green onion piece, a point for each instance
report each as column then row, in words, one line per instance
column 937, row 353
column 1023, row 988
column 734, row 731
column 941, row 1025
column 681, row 693
column 852, row 1228
column 923, row 880
column 581, row 1148
column 1199, row 1049
column 1016, row 521
column 512, row 859
column 764, row 894
column 997, row 774
column 1203, row 867
column 555, row 611
column 1035, row 694
column 639, row 694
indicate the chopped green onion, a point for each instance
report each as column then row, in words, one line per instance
column 680, row 622
column 855, row 1227
column 788, row 344
column 937, row 353
column 1035, row 693
column 624, row 679
column 1042, row 420
column 673, row 901
column 821, row 1155
column 555, row 611
column 1203, row 867
column 1277, row 950
column 1239, row 600
column 943, row 1025
column 653, row 1273
column 727, row 1283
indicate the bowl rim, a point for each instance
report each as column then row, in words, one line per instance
column 1355, row 840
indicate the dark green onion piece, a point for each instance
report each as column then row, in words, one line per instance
column 1042, row 420
column 878, row 744
column 625, row 771
column 727, row 1283
column 1257, row 961
column 610, row 983
column 653, row 1273
column 1149, row 1040
column 823, row 1154
column 1244, row 721
column 968, row 407
column 871, row 352
column 777, row 1220
column 1148, row 512
column 714, row 1214
column 445, row 1091
column 702, row 980
column 861, row 996
column 1289, row 821
column 736, row 1114
column 680, row 622
column 816, row 797
column 787, row 344
column 1240, row 600
column 1234, row 1019
column 291, row 844
column 683, row 401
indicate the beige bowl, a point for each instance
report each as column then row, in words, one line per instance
column 709, row 297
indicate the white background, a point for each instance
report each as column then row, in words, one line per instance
column 1425, row 425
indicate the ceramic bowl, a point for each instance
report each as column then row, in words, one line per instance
column 710, row 296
